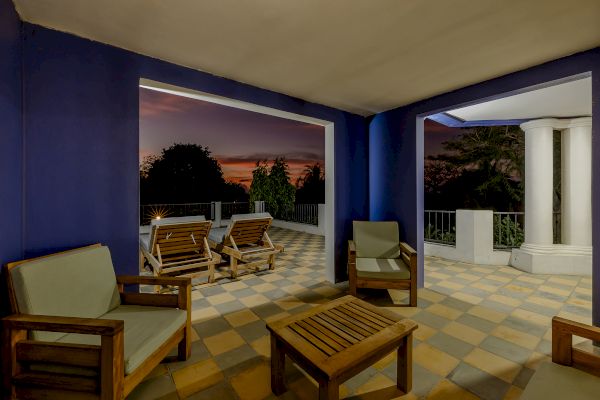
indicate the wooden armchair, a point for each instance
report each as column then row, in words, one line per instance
column 60, row 344
column 557, row 380
column 377, row 259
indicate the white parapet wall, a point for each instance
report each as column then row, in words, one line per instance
column 474, row 240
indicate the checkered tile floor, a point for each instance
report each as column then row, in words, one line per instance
column 483, row 330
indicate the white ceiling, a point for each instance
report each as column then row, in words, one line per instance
column 363, row 56
column 572, row 99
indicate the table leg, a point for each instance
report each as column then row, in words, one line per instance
column 329, row 390
column 277, row 366
column 404, row 378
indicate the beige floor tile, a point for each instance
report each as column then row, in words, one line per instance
column 424, row 332
column 486, row 313
column 446, row 390
column 254, row 300
column 514, row 393
column 204, row 314
column 553, row 290
column 253, row 383
column 327, row 291
column 194, row 335
column 288, row 303
column 580, row 302
column 380, row 387
column 430, row 295
column 562, row 281
column 220, row 298
column 237, row 285
column 197, row 377
column 304, row 389
column 483, row 286
column 498, row 278
column 530, row 279
column 535, row 359
column 532, row 317
column 434, row 360
column 277, row 316
column 385, row 361
column 464, row 333
column 272, row 277
column 293, row 289
column 576, row 317
column 299, row 278
column 451, row 285
column 518, row 289
column 495, row 365
column 264, row 287
column 444, row 311
column 517, row 337
column 545, row 302
column 223, row 342
column 469, row 298
column 438, row 275
column 510, row 301
column 262, row 346
column 241, row 317
column 469, row 277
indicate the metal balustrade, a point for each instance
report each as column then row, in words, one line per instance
column 440, row 226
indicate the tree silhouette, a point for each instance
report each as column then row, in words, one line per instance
column 482, row 168
column 185, row 173
column 311, row 186
column 272, row 185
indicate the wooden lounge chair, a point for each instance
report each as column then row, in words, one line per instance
column 75, row 334
column 246, row 242
column 377, row 259
column 179, row 247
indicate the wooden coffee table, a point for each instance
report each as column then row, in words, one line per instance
column 335, row 341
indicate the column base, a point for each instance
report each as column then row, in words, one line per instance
column 559, row 259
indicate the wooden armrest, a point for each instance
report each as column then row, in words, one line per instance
column 351, row 246
column 566, row 326
column 153, row 280
column 88, row 326
column 406, row 248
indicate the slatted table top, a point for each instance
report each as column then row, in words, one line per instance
column 342, row 333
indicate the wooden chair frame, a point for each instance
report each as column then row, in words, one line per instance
column 407, row 254
column 107, row 360
column 563, row 351
column 248, row 245
column 181, row 249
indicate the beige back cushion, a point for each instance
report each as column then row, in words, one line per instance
column 79, row 283
column 376, row 239
column 178, row 220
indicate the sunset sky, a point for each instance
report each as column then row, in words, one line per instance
column 237, row 138
column 435, row 135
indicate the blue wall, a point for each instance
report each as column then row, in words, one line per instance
column 81, row 152
column 396, row 151
column 10, row 134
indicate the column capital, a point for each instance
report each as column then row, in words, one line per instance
column 541, row 123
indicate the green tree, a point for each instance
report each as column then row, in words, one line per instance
column 489, row 164
column 272, row 185
column 311, row 186
column 185, row 173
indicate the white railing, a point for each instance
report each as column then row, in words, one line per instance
column 301, row 213
column 164, row 210
column 440, row 226
column 509, row 230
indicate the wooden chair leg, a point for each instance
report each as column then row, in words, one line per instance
column 112, row 367
column 184, row 349
column 413, row 293
column 272, row 262
column 277, row 367
column 10, row 367
column 233, row 267
column 211, row 273
column 329, row 390
column 404, row 367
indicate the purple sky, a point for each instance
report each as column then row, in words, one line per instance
column 435, row 135
column 237, row 138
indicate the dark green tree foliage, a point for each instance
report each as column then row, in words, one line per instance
column 272, row 185
column 185, row 173
column 311, row 187
column 483, row 168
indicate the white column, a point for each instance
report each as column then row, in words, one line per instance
column 538, row 181
column 576, row 184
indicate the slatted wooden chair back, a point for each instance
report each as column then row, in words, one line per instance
column 178, row 242
column 246, row 232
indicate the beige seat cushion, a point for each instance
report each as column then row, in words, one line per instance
column 382, row 268
column 178, row 220
column 80, row 283
column 376, row 239
column 146, row 328
column 553, row 381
